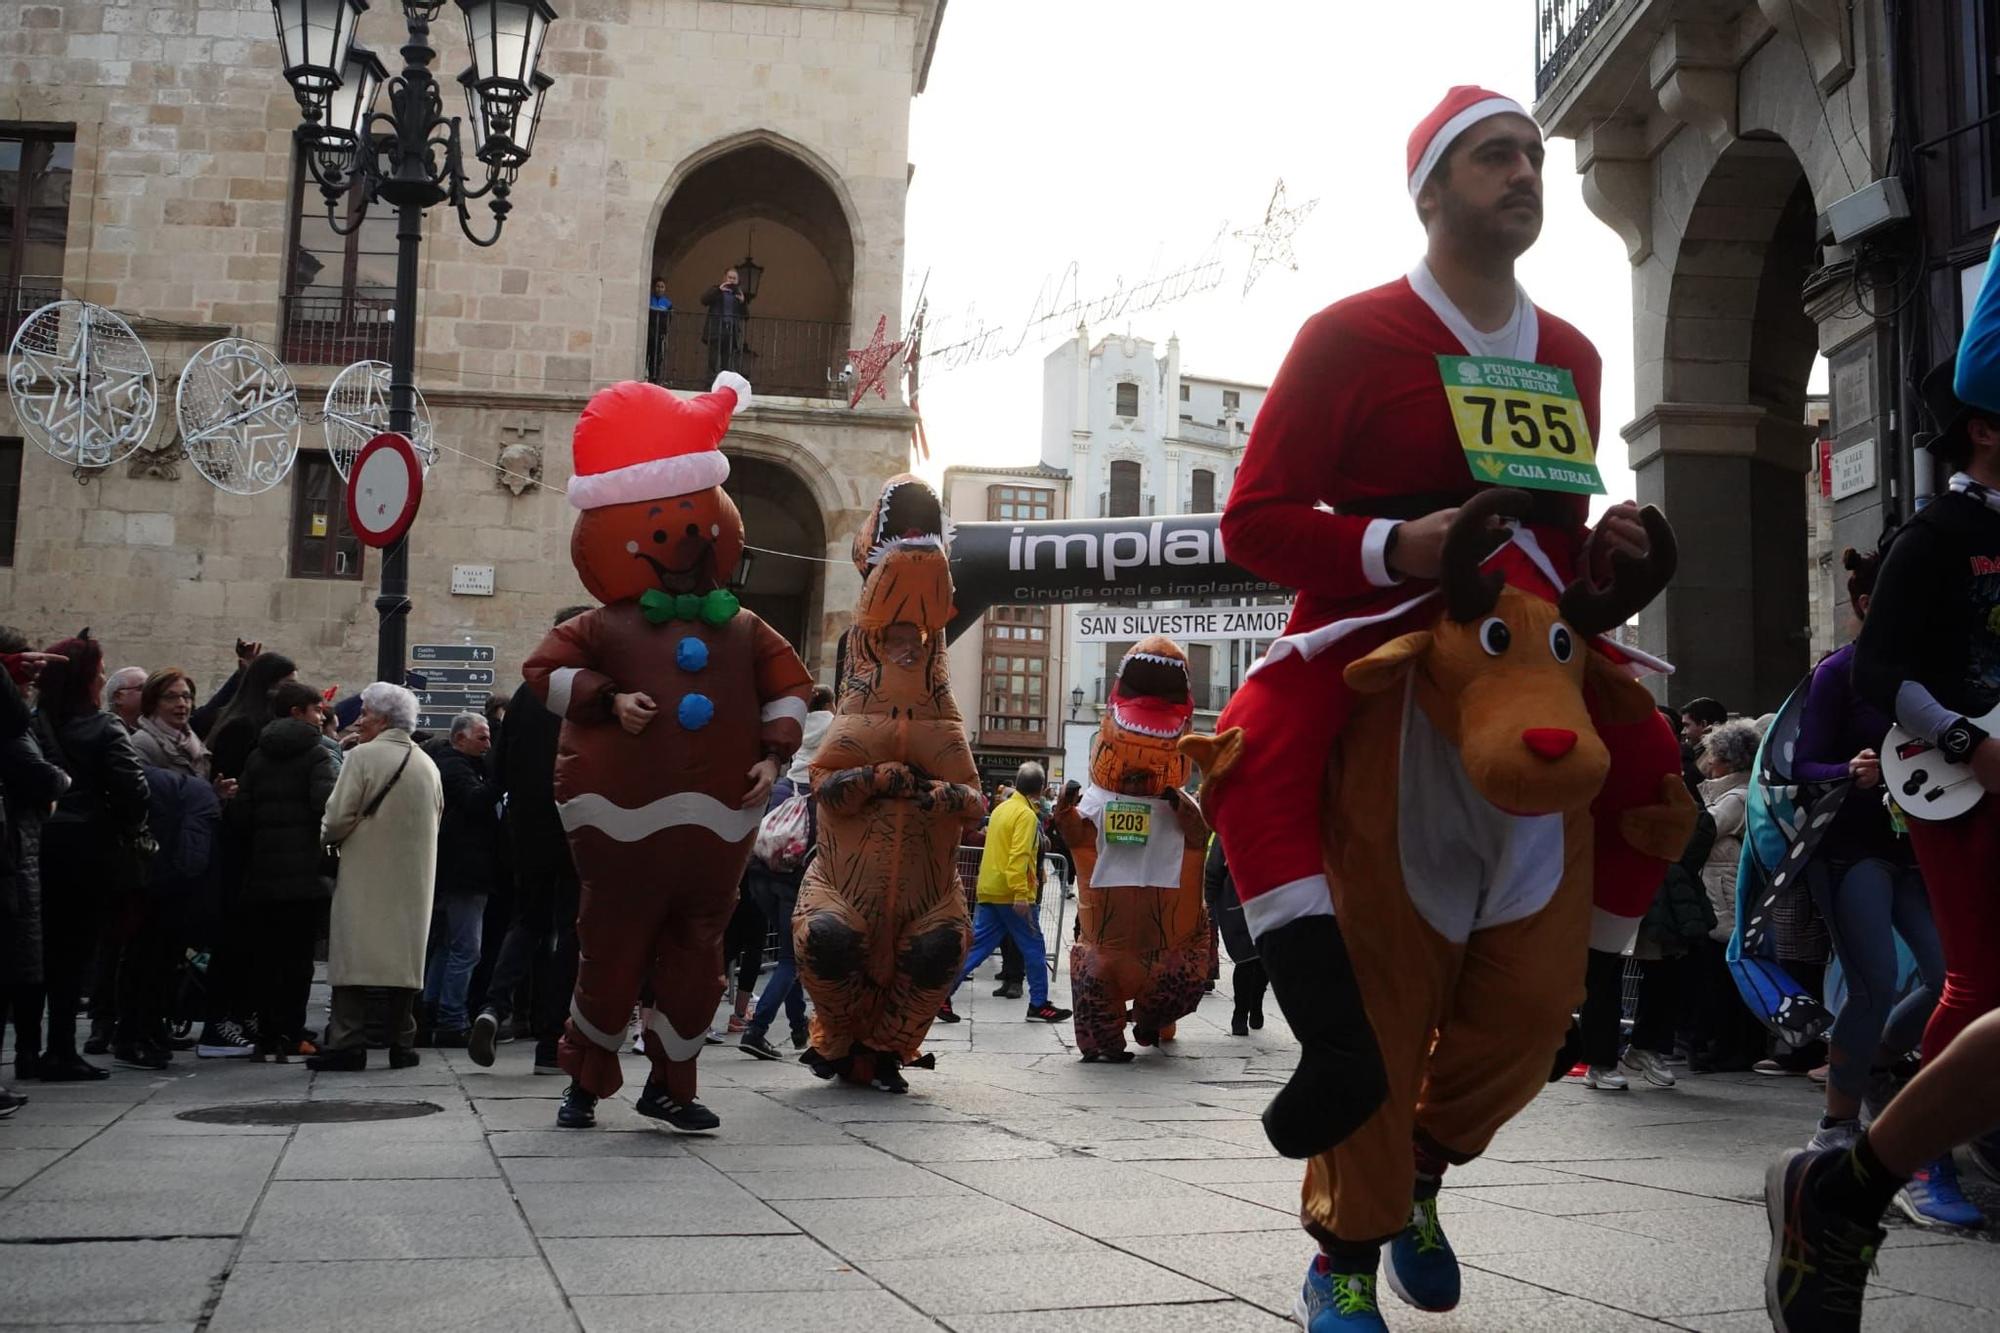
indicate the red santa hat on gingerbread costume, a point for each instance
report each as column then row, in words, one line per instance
column 1462, row 108
column 637, row 441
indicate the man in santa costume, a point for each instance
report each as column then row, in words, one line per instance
column 679, row 709
column 1362, row 452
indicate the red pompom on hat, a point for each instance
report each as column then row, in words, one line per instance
column 1462, row 108
column 637, row 441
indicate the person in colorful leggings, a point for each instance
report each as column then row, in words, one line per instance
column 1929, row 655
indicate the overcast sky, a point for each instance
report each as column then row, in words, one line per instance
column 1121, row 134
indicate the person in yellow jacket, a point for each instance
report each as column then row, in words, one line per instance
column 1007, row 894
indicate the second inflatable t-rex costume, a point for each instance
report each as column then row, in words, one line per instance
column 679, row 711
column 880, row 928
column 1138, row 840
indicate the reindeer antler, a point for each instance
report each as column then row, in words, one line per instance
column 1635, row 581
column 1468, row 593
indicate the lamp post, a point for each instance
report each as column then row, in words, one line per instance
column 410, row 158
column 1075, row 701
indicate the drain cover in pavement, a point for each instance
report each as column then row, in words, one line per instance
column 307, row 1113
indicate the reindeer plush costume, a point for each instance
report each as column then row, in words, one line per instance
column 657, row 818
column 1139, row 843
column 881, row 924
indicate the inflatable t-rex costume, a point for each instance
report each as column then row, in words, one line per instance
column 680, row 709
column 880, row 928
column 1138, row 840
column 1459, row 832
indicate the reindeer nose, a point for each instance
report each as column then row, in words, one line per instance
column 1549, row 742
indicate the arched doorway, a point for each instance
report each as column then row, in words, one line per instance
column 1732, row 440
column 785, row 584
column 762, row 203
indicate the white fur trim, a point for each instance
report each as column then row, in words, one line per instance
column 654, row 479
column 729, row 379
column 1311, row 896
column 1448, row 133
column 592, row 810
column 561, row 680
column 790, row 706
column 1375, row 552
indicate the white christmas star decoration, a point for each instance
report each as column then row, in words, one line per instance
column 1271, row 243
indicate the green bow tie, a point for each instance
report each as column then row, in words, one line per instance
column 715, row 607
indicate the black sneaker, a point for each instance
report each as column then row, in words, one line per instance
column 578, row 1109
column 137, row 1055
column 546, row 1061
column 1819, row 1265
column 1008, row 990
column 820, row 1066
column 68, row 1068
column 479, row 1043
column 888, row 1077
column 224, row 1041
column 404, row 1057
column 947, row 1014
column 99, row 1041
column 1110, row 1057
column 800, row 1036
column 348, row 1060
column 1046, row 1013
column 757, row 1044
column 681, row 1117
column 11, row 1102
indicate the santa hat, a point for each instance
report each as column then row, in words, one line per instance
column 1462, row 108
column 637, row 441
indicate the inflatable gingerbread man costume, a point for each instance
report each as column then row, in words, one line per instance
column 679, row 710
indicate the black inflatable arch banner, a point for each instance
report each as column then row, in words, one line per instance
column 1054, row 562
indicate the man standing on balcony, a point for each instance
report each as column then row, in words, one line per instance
column 658, row 312
column 1350, row 481
column 728, row 310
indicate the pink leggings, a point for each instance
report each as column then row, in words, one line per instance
column 1960, row 859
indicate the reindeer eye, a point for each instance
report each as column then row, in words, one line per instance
column 1495, row 637
column 1561, row 643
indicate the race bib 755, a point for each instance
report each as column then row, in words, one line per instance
column 1521, row 424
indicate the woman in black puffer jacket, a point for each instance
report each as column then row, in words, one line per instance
column 92, row 846
column 276, row 816
column 29, row 786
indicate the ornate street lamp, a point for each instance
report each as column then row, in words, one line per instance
column 410, row 158
column 749, row 276
column 1075, row 701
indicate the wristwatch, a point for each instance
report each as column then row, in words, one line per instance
column 1960, row 739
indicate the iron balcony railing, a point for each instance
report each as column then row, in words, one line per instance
column 1561, row 29
column 791, row 358
column 337, row 329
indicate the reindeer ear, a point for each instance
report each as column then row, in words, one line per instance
column 1620, row 699
column 1388, row 664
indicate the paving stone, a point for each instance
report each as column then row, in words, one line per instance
column 1232, row 1169
column 866, row 1230
column 952, row 1143
column 1965, row 1272
column 820, row 1311
column 671, row 1265
column 387, row 1219
column 492, row 1295
column 316, row 1159
column 1649, row 1277
column 24, row 1131
column 848, row 1156
column 1584, row 1196
column 582, row 1143
column 1177, row 1148
column 1035, row 1182
column 1205, row 1317
column 898, row 1180
column 670, row 1171
column 17, row 1165
column 94, row 1284
column 643, row 1208
column 130, row 1187
column 1111, row 1218
column 1880, row 1314
column 1086, row 1275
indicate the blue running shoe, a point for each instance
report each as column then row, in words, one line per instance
column 1932, row 1198
column 1422, row 1268
column 1338, row 1303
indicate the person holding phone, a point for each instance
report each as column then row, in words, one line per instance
column 722, row 329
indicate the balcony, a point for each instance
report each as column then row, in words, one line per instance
column 337, row 330
column 790, row 358
column 1561, row 30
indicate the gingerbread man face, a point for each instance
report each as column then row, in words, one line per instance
column 680, row 543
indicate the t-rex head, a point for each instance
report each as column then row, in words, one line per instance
column 905, row 570
column 1151, row 706
column 1503, row 672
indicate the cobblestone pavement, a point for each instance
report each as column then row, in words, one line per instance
column 1015, row 1190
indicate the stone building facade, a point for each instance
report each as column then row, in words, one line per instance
column 1714, row 136
column 675, row 128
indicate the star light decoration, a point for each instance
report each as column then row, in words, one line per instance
column 1271, row 243
column 82, row 384
column 871, row 364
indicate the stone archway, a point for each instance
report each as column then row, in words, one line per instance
column 1725, row 448
column 786, row 584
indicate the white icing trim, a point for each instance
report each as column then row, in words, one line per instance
column 1447, row 134
column 790, row 706
column 679, row 1049
column 1375, row 552
column 1311, row 896
column 597, row 1035
column 1526, row 323
column 591, row 810
column 654, row 479
column 560, row 682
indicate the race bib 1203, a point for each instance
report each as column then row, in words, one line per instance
column 1127, row 823
column 1521, row 424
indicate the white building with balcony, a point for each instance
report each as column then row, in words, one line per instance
column 1137, row 436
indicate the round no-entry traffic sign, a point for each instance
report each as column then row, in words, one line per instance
column 384, row 487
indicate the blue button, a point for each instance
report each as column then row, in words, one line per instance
column 690, row 654
column 696, row 711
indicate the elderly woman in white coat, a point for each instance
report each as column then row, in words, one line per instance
column 383, row 819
